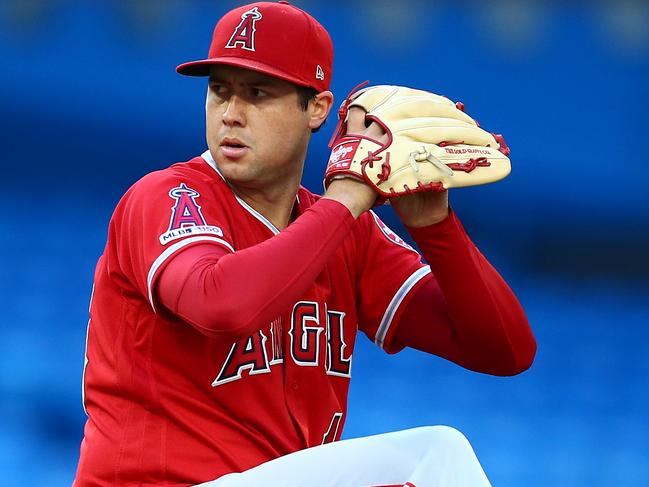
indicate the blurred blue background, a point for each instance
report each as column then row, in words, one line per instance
column 90, row 102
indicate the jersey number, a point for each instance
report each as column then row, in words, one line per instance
column 332, row 433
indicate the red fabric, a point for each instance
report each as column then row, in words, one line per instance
column 231, row 295
column 467, row 313
column 259, row 40
column 174, row 404
column 169, row 404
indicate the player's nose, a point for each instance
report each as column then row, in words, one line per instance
column 234, row 113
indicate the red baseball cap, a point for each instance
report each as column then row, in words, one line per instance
column 274, row 38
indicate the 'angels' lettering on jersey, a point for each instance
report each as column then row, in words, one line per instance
column 361, row 288
column 262, row 350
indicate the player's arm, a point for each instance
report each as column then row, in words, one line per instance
column 469, row 314
column 466, row 313
column 233, row 294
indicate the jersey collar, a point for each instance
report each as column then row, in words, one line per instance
column 207, row 157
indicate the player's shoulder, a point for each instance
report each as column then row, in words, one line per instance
column 193, row 180
column 368, row 225
column 368, row 221
column 306, row 198
column 195, row 175
column 375, row 230
column 195, row 170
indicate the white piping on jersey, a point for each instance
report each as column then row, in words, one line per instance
column 167, row 253
column 394, row 238
column 258, row 215
column 392, row 308
column 207, row 156
column 85, row 355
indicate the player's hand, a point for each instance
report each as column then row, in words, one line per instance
column 357, row 195
column 430, row 145
column 415, row 210
column 421, row 209
column 356, row 125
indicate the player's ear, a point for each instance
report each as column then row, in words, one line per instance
column 319, row 108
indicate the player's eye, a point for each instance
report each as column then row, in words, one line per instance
column 217, row 88
column 258, row 92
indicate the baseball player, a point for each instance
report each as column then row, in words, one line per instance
column 228, row 298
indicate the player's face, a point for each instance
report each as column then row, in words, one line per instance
column 257, row 131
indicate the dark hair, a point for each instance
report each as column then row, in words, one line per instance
column 305, row 94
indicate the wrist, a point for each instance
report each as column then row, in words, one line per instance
column 424, row 220
column 357, row 196
column 421, row 209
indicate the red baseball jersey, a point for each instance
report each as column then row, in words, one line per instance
column 169, row 405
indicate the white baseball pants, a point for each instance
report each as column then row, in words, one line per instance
column 431, row 456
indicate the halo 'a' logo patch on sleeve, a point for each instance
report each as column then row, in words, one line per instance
column 186, row 216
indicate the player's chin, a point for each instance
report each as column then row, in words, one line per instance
column 235, row 171
column 235, row 160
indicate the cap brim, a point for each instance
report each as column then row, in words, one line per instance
column 202, row 68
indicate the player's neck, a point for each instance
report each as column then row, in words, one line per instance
column 276, row 204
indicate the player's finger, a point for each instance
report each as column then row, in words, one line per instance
column 356, row 120
column 357, row 124
column 375, row 131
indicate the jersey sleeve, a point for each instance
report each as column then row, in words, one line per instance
column 161, row 215
column 390, row 272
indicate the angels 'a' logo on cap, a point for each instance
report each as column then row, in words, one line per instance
column 319, row 72
column 244, row 33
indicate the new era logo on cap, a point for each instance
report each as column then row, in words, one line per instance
column 273, row 38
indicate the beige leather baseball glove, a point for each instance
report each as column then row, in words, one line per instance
column 432, row 144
